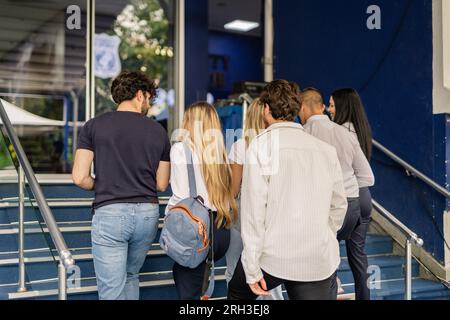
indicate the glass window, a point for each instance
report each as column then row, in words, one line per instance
column 135, row 35
column 42, row 76
column 43, row 67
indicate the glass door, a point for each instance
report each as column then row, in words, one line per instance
column 136, row 35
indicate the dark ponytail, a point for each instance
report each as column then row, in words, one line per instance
column 349, row 108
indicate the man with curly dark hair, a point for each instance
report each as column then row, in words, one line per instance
column 292, row 205
column 132, row 163
column 283, row 99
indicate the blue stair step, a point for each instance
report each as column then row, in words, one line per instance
column 81, row 239
column 34, row 271
column 62, row 214
column 42, row 270
column 421, row 290
column 391, row 267
column 39, row 239
column 395, row 290
column 52, row 191
column 375, row 245
column 156, row 277
column 153, row 287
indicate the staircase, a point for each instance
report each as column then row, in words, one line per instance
column 74, row 219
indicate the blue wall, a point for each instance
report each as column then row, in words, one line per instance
column 196, row 50
column 326, row 44
column 244, row 53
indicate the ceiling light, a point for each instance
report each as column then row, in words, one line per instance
column 241, row 25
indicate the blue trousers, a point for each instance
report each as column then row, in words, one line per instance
column 188, row 281
column 354, row 232
column 122, row 235
column 357, row 257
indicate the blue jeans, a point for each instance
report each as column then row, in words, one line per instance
column 234, row 254
column 122, row 235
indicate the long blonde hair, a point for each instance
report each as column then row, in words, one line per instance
column 254, row 122
column 203, row 132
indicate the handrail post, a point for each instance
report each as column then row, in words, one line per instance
column 26, row 171
column 62, row 282
column 244, row 115
column 247, row 100
column 22, row 283
column 408, row 275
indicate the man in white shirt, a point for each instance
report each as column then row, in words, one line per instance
column 292, row 205
column 355, row 169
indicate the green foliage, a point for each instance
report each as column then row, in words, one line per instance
column 5, row 157
column 144, row 30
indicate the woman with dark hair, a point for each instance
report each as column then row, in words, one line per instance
column 347, row 109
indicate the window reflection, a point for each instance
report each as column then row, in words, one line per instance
column 144, row 30
column 42, row 75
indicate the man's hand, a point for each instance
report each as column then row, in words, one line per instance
column 162, row 176
column 81, row 173
column 260, row 288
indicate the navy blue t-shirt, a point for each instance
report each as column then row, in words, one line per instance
column 128, row 148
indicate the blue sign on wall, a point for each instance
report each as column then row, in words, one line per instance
column 107, row 59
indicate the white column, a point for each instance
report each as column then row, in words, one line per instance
column 90, row 46
column 447, row 238
column 446, row 41
column 441, row 56
column 180, row 66
column 268, row 40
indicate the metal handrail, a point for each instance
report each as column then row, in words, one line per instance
column 66, row 259
column 400, row 226
column 410, row 237
column 411, row 170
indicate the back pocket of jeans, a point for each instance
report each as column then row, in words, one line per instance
column 107, row 230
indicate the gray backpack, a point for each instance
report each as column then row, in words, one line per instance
column 187, row 235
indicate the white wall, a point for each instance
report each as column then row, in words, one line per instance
column 447, row 238
column 446, row 39
column 441, row 56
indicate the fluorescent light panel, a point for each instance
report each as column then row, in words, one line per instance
column 241, row 25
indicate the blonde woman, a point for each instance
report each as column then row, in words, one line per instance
column 202, row 132
column 254, row 125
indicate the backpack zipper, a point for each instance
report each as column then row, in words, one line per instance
column 200, row 224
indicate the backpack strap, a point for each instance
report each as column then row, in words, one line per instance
column 191, row 172
column 209, row 275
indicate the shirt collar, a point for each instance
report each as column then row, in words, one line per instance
column 348, row 125
column 287, row 124
column 318, row 118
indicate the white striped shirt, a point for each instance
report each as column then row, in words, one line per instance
column 355, row 167
column 292, row 205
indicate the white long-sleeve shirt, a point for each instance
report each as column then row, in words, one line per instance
column 355, row 167
column 293, row 203
column 179, row 179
